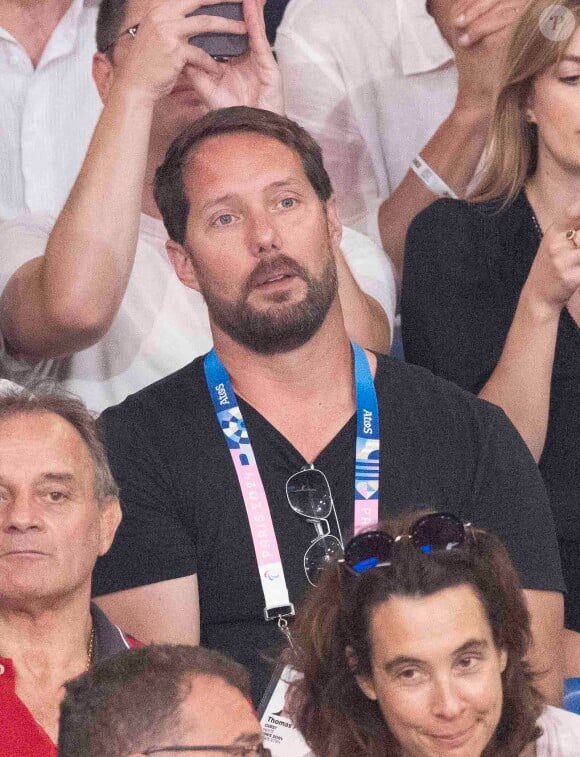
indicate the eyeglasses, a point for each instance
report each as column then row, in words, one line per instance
column 131, row 31
column 436, row 532
column 308, row 493
column 238, row 751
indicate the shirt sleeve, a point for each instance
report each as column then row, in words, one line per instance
column 448, row 302
column 152, row 543
column 509, row 493
column 317, row 97
column 372, row 269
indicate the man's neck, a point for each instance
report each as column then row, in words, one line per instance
column 32, row 22
column 307, row 394
column 47, row 643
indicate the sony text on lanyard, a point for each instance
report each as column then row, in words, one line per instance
column 366, row 488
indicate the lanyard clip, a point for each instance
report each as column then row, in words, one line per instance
column 276, row 613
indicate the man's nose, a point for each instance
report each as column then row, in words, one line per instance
column 21, row 513
column 264, row 235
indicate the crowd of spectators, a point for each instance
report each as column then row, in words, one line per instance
column 208, row 250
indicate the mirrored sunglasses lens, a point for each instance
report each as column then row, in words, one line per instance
column 322, row 553
column 309, row 495
column 438, row 532
column 366, row 551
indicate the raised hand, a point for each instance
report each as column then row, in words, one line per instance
column 555, row 273
column 251, row 79
column 152, row 62
column 476, row 19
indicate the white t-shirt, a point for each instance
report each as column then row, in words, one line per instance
column 161, row 324
column 371, row 80
column 561, row 737
column 47, row 114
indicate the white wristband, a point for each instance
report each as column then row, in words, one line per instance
column 430, row 179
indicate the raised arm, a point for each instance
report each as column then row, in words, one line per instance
column 455, row 149
column 67, row 299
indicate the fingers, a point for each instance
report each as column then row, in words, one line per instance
column 256, row 26
column 483, row 18
column 570, row 219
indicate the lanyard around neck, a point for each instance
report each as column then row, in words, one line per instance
column 366, row 487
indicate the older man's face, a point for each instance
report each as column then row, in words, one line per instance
column 51, row 527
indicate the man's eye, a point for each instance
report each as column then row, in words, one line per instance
column 225, row 219
column 56, row 496
column 288, row 202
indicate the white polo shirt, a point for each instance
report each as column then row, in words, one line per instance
column 371, row 80
column 47, row 114
column 161, row 324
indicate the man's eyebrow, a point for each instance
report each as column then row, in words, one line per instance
column 573, row 58
column 248, row 739
column 281, row 183
column 58, row 478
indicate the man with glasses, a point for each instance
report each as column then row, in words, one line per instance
column 240, row 473
column 91, row 300
column 160, row 700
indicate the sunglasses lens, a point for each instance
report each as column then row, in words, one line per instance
column 308, row 494
column 439, row 531
column 319, row 555
column 368, row 550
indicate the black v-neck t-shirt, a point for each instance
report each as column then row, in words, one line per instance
column 183, row 512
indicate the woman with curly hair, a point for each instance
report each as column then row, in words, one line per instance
column 414, row 645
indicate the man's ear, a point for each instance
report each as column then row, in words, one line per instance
column 110, row 514
column 181, row 262
column 333, row 223
column 103, row 74
column 365, row 683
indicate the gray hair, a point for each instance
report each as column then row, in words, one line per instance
column 18, row 401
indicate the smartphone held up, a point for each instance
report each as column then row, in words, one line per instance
column 221, row 45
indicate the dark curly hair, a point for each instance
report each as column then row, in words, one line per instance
column 328, row 706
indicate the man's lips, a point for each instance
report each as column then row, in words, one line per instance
column 23, row 553
column 268, row 277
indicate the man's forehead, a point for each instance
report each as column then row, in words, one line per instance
column 135, row 10
column 247, row 154
column 42, row 427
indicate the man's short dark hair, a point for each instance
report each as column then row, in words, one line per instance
column 170, row 191
column 109, row 21
column 132, row 701
column 20, row 401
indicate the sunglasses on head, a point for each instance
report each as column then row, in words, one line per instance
column 436, row 532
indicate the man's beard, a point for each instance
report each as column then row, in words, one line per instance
column 275, row 329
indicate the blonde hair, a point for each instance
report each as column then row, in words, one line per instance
column 511, row 151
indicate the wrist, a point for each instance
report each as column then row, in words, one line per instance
column 537, row 311
column 471, row 116
column 132, row 97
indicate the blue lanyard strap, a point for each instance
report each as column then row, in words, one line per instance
column 366, row 487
